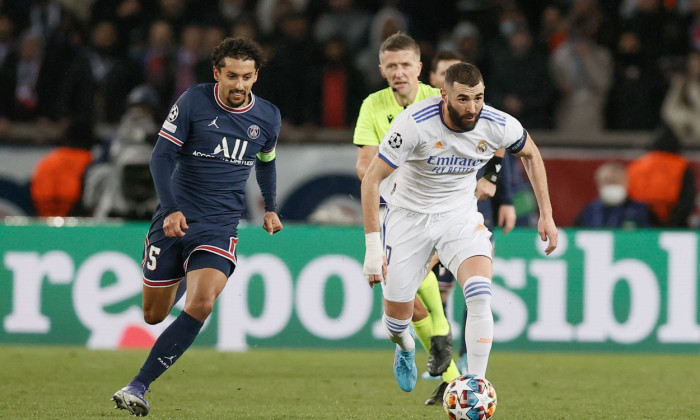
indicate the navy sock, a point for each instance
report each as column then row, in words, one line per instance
column 169, row 347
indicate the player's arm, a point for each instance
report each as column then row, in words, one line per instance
column 375, row 262
column 365, row 154
column 486, row 185
column 266, row 177
column 162, row 165
column 534, row 166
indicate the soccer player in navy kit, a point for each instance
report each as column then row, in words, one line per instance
column 212, row 137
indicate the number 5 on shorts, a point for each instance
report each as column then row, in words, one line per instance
column 153, row 252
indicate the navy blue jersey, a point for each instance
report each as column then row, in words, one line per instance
column 210, row 149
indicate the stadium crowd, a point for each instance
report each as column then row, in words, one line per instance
column 70, row 68
column 565, row 65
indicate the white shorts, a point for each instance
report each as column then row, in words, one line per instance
column 410, row 239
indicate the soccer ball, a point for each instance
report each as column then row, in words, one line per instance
column 469, row 397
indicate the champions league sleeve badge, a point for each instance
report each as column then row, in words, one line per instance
column 174, row 112
column 395, row 140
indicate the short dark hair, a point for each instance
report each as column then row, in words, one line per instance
column 239, row 48
column 445, row 55
column 463, row 73
column 399, row 42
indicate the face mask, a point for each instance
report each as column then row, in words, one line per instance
column 613, row 194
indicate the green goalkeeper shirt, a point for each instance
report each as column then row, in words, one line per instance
column 379, row 110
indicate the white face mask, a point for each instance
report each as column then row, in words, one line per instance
column 613, row 194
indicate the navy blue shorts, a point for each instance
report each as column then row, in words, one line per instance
column 205, row 245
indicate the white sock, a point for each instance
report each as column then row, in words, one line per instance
column 478, row 330
column 398, row 332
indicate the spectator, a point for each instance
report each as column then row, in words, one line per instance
column 385, row 23
column 612, row 208
column 186, row 58
column 98, row 81
column 664, row 181
column 7, row 28
column 212, row 35
column 519, row 82
column 681, row 107
column 131, row 17
column 345, row 20
column 159, row 59
column 342, row 88
column 270, row 12
column 553, row 29
column 296, row 53
column 21, row 89
column 582, row 71
column 637, row 90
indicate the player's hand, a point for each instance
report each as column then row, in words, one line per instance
column 506, row 217
column 375, row 266
column 175, row 225
column 548, row 230
column 484, row 189
column 272, row 223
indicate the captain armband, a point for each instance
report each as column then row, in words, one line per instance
column 492, row 169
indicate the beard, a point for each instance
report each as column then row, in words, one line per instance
column 460, row 120
column 236, row 104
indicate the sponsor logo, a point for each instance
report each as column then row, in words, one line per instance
column 453, row 164
column 481, row 147
column 213, row 122
column 174, row 112
column 438, row 145
column 395, row 141
column 390, row 118
column 167, row 125
column 253, row 132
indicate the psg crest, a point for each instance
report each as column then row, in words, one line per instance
column 253, row 132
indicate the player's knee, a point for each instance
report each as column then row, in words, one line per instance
column 200, row 308
column 153, row 317
column 477, row 295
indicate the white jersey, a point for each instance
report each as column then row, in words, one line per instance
column 435, row 165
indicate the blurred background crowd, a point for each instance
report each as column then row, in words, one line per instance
column 80, row 73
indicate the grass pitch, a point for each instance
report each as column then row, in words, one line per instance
column 75, row 383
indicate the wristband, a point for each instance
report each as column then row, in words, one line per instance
column 492, row 169
column 373, row 242
column 374, row 257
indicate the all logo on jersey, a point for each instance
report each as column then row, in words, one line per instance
column 395, row 140
column 238, row 151
column 213, row 122
column 481, row 147
column 253, row 132
column 174, row 112
column 390, row 118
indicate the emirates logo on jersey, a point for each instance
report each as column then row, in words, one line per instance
column 253, row 132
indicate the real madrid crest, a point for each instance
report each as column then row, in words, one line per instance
column 481, row 147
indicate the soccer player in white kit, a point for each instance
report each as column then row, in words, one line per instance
column 426, row 171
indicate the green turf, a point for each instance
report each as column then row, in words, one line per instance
column 74, row 383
